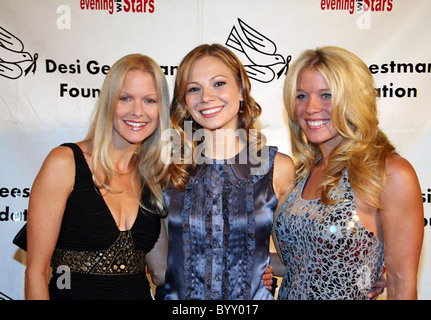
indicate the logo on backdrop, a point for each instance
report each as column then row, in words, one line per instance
column 263, row 62
column 13, row 57
column 113, row 6
column 361, row 5
column 4, row 296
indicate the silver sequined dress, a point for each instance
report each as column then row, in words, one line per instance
column 327, row 251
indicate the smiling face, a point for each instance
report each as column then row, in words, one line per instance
column 136, row 114
column 212, row 94
column 313, row 107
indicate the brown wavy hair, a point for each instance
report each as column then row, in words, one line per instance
column 179, row 172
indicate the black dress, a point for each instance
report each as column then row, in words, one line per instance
column 93, row 259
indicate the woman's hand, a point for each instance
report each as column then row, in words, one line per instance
column 267, row 277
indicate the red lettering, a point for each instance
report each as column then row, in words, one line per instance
column 87, row 4
column 378, row 6
column 126, row 6
column 325, row 4
column 366, row 5
column 139, row 6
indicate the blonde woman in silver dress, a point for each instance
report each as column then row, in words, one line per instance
column 357, row 204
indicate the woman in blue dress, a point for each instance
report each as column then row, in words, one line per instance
column 224, row 184
column 357, row 204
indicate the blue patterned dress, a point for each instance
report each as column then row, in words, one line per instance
column 327, row 252
column 219, row 230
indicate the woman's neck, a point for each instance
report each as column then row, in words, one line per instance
column 123, row 159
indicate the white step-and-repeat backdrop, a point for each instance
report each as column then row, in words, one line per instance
column 54, row 55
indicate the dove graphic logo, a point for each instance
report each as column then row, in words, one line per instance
column 13, row 57
column 4, row 296
column 263, row 62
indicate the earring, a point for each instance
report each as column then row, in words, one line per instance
column 241, row 105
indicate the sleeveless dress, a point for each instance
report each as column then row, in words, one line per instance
column 102, row 261
column 219, row 230
column 328, row 253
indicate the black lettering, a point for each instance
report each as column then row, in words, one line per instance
column 26, row 192
column 412, row 92
column 93, row 68
column 15, row 192
column 63, row 89
column 405, row 67
column 62, row 68
column 173, row 69
column 390, row 92
column 169, row 70
column 374, row 68
column 50, row 66
column 74, row 92
column 393, row 67
column 426, row 197
column 4, row 215
column 4, row 192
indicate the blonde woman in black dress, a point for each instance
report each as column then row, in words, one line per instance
column 95, row 207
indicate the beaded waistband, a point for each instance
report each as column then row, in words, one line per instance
column 120, row 258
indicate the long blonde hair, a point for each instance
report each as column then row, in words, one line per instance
column 250, row 110
column 364, row 147
column 147, row 163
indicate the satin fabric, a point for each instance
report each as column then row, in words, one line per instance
column 219, row 230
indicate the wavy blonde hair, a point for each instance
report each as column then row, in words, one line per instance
column 148, row 167
column 364, row 149
column 247, row 117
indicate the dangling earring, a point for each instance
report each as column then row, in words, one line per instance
column 241, row 105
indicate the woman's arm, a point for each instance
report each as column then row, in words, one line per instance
column 156, row 259
column 48, row 197
column 283, row 182
column 402, row 222
column 283, row 178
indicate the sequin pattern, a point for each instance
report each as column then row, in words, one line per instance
column 327, row 251
column 120, row 258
